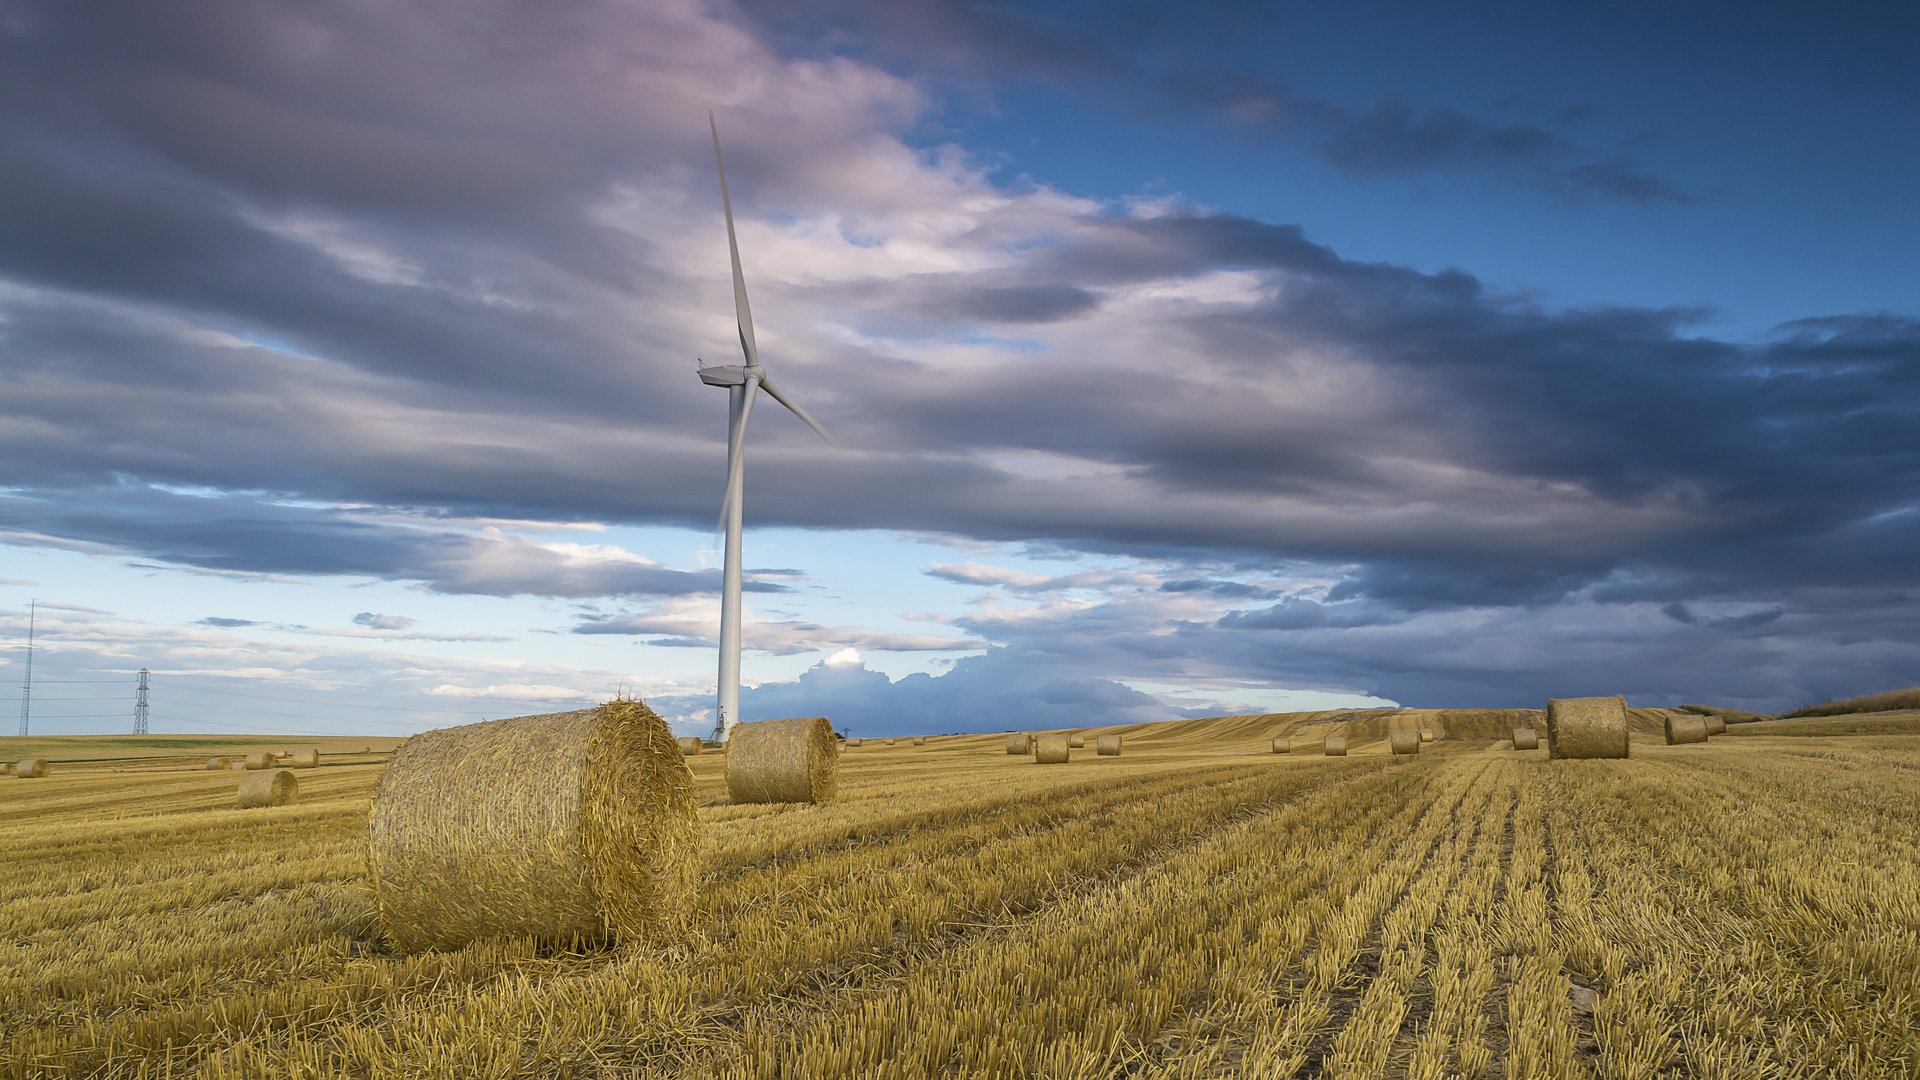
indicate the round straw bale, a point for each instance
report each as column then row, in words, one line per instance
column 259, row 761
column 853, row 742
column 1591, row 727
column 366, row 749
column 1108, row 746
column 1426, row 734
column 690, row 745
column 1051, row 750
column 1525, row 738
column 306, row 759
column 1335, row 746
column 275, row 787
column 216, row 763
column 1716, row 724
column 30, row 768
column 919, row 740
column 1404, row 742
column 893, row 742
column 1019, row 742
column 1282, row 744
column 1685, row 728
column 1076, row 742
column 570, row 828
column 793, row 760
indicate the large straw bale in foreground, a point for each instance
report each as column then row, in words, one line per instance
column 1051, row 750
column 1019, row 742
column 1525, row 738
column 1108, row 746
column 263, row 760
column 1335, row 746
column 1404, row 742
column 216, row 763
column 1590, row 727
column 30, row 768
column 1685, row 728
column 568, row 827
column 793, row 760
column 305, row 759
column 1716, row 724
column 690, row 745
column 277, row 787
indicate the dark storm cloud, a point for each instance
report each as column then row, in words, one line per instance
column 1017, row 303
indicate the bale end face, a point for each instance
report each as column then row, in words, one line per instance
column 791, row 760
column 1108, row 746
column 1335, row 746
column 277, row 787
column 1051, row 750
column 1404, row 742
column 1525, row 738
column 30, row 768
column 570, row 828
column 1685, row 728
column 1591, row 727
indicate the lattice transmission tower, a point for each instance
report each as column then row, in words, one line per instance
column 140, row 705
column 26, row 688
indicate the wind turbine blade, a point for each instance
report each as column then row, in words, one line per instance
column 796, row 410
column 741, row 311
column 737, row 456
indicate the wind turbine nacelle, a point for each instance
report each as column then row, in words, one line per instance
column 724, row 375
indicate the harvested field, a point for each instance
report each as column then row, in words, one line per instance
column 1199, row 907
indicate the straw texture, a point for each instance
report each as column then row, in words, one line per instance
column 305, row 759
column 1076, row 742
column 30, row 768
column 272, row 788
column 1525, row 738
column 1108, row 746
column 1716, row 724
column 216, row 763
column 792, row 760
column 691, row 745
column 259, row 761
column 1051, row 750
column 1685, row 728
column 1282, row 744
column 1335, row 746
column 1592, row 727
column 1019, row 742
column 571, row 828
column 1404, row 742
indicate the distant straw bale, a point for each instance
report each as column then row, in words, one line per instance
column 1426, row 734
column 256, row 762
column 690, row 745
column 1685, row 728
column 275, row 787
column 30, row 768
column 1404, row 742
column 1108, row 746
column 1019, row 742
column 791, row 760
column 1282, row 744
column 306, row 759
column 571, row 828
column 1591, row 727
column 1051, row 750
column 1525, row 738
column 1076, row 742
column 853, row 742
column 893, row 742
column 919, row 740
column 1716, row 724
column 1335, row 746
column 216, row 763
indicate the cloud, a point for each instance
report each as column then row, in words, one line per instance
column 510, row 692
column 697, row 625
column 384, row 622
column 226, row 623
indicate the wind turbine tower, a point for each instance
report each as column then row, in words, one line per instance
column 741, row 382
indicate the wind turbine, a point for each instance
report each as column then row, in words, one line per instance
column 741, row 381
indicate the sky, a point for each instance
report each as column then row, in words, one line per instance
column 1186, row 359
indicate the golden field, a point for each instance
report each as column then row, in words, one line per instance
column 1198, row 907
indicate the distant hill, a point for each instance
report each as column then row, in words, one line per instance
column 1886, row 701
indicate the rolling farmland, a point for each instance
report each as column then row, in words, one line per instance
column 1197, row 907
